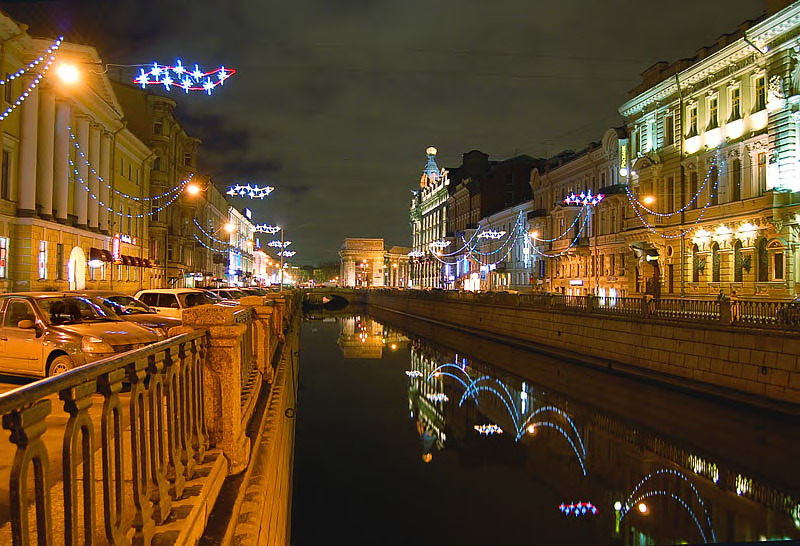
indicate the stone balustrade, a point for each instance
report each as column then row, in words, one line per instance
column 145, row 439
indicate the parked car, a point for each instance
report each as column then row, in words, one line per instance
column 48, row 333
column 253, row 291
column 172, row 301
column 230, row 294
column 790, row 312
column 130, row 309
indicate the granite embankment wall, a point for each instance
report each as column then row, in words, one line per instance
column 752, row 365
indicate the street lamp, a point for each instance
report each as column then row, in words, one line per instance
column 68, row 73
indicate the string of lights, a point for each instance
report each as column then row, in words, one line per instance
column 564, row 415
column 168, row 193
column 33, row 64
column 688, row 205
column 209, row 235
column 217, row 250
column 664, row 493
column 156, row 210
column 516, row 232
column 49, row 54
column 584, row 210
column 572, row 243
column 188, row 80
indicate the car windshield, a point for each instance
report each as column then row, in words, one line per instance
column 126, row 305
column 193, row 299
column 214, row 297
column 75, row 310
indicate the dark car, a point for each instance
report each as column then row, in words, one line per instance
column 133, row 310
column 790, row 312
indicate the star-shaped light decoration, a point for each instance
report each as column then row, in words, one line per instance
column 264, row 228
column 491, row 234
column 179, row 76
column 253, row 192
column 287, row 253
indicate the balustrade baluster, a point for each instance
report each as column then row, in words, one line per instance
column 156, row 432
column 27, row 426
column 197, row 401
column 143, row 522
column 79, row 440
column 177, row 418
column 110, row 385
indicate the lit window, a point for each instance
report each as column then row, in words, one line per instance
column 3, row 257
column 713, row 112
column 692, row 121
column 761, row 93
column 42, row 261
column 736, row 104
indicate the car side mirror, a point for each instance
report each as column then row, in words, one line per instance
column 26, row 324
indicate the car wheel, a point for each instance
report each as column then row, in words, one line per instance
column 59, row 365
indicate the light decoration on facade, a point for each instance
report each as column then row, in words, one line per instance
column 488, row 430
column 585, row 198
column 439, row 244
column 253, row 192
column 571, row 244
column 491, row 234
column 92, row 170
column 416, row 254
column 151, row 212
column 437, row 397
column 577, row 509
column 536, row 237
column 287, row 253
column 209, row 247
column 279, row 244
column 181, row 77
column 414, row 373
column 265, row 228
column 640, row 494
column 48, row 57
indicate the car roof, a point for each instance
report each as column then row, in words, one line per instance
column 169, row 290
column 41, row 294
column 100, row 293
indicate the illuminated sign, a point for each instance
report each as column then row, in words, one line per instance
column 127, row 239
column 248, row 213
column 576, row 282
column 116, row 253
column 623, row 157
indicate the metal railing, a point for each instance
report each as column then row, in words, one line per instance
column 619, row 306
column 152, row 438
column 686, row 309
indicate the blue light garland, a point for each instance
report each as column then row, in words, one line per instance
column 181, row 77
column 49, row 54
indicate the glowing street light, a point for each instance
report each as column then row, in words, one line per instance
column 193, row 189
column 648, row 200
column 68, row 73
column 229, row 227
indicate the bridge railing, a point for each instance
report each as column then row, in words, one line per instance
column 115, row 483
column 138, row 433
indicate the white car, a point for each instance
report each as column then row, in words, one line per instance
column 172, row 301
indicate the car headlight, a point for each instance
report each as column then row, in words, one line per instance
column 95, row 345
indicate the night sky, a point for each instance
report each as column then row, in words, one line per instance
column 335, row 101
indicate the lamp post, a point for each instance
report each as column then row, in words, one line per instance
column 283, row 246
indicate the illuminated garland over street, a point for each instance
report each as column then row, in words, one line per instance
column 49, row 55
column 209, row 235
column 491, row 234
column 287, row 253
column 488, row 430
column 572, row 243
column 584, row 198
column 578, row 508
column 180, row 76
column 177, row 188
column 566, row 231
column 253, row 192
column 217, row 250
column 264, row 228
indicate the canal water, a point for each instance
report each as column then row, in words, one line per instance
column 409, row 433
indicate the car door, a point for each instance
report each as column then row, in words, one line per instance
column 168, row 305
column 22, row 351
column 150, row 299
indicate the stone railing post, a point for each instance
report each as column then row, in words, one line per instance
column 222, row 381
column 263, row 332
column 725, row 316
column 279, row 311
column 592, row 302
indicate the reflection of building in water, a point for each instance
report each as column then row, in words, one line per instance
column 362, row 337
column 425, row 401
column 675, row 493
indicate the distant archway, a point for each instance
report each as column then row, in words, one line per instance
column 76, row 269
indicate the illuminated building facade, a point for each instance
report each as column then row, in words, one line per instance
column 713, row 166
column 364, row 263
column 428, row 223
column 67, row 158
column 241, row 246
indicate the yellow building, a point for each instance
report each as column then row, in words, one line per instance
column 72, row 175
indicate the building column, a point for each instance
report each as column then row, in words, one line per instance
column 60, row 163
column 26, row 196
column 44, row 157
column 94, row 181
column 105, row 174
column 81, row 194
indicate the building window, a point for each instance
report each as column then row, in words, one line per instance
column 696, row 264
column 3, row 257
column 158, row 128
column 5, row 176
column 122, row 166
column 8, row 89
column 762, row 172
column 509, row 198
column 736, row 104
column 154, row 213
column 42, row 260
column 777, row 266
column 669, row 130
column 157, row 163
column 736, row 180
column 715, row 263
column 692, row 118
column 760, row 85
column 187, row 160
column 59, row 261
column 169, row 251
column 738, row 262
column 763, row 261
column 713, row 112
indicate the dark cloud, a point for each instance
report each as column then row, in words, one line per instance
column 335, row 101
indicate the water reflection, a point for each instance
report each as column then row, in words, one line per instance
column 362, row 337
column 644, row 486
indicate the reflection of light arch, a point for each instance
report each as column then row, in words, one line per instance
column 635, row 497
column 474, row 388
column 560, row 412
column 565, row 435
